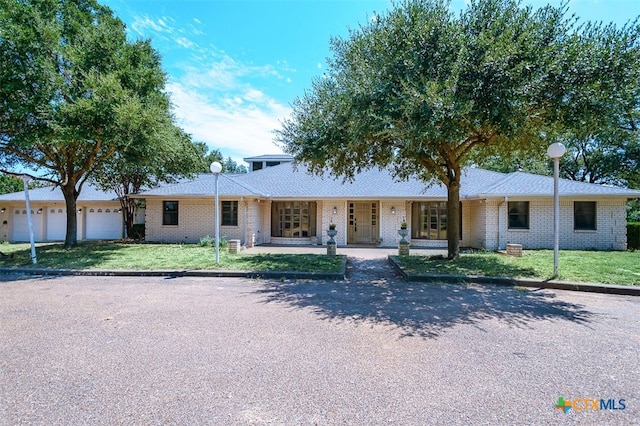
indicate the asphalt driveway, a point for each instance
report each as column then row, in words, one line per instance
column 369, row 350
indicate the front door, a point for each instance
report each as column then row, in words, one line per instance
column 363, row 223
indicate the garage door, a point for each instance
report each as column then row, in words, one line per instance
column 20, row 228
column 103, row 224
column 56, row 224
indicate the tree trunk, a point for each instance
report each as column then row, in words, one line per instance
column 70, row 198
column 128, row 213
column 453, row 217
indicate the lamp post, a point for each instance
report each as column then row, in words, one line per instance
column 25, row 181
column 216, row 168
column 555, row 151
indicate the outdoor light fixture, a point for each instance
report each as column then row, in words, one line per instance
column 555, row 151
column 393, row 210
column 335, row 210
column 39, row 211
column 216, row 168
column 2, row 210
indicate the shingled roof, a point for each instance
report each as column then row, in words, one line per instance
column 54, row 193
column 287, row 181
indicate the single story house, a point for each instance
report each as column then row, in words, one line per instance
column 279, row 203
column 283, row 204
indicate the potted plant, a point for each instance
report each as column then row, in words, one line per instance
column 332, row 232
column 403, row 232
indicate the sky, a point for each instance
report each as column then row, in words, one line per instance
column 235, row 67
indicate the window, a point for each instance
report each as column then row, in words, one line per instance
column 229, row 213
column 518, row 214
column 584, row 215
column 169, row 212
column 293, row 219
column 429, row 220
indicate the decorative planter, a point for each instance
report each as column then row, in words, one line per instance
column 403, row 244
column 331, row 243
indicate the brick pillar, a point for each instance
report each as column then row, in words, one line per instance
column 403, row 248
column 514, row 250
column 331, row 249
column 234, row 246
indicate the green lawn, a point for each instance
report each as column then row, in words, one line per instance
column 112, row 255
column 618, row 267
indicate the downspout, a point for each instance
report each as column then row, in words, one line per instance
column 506, row 200
column 246, row 221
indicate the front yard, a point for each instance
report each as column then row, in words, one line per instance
column 615, row 267
column 123, row 256
column 622, row 268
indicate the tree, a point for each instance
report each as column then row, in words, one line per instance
column 230, row 166
column 68, row 104
column 601, row 114
column 155, row 149
column 10, row 183
column 209, row 157
column 426, row 93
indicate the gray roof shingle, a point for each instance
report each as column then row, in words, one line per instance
column 54, row 193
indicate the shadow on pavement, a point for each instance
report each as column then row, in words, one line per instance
column 374, row 293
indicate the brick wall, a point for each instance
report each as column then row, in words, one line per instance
column 609, row 235
column 195, row 220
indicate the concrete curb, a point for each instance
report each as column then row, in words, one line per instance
column 183, row 273
column 517, row 282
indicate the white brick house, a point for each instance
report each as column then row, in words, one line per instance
column 286, row 205
column 280, row 204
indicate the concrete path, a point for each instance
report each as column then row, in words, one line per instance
column 359, row 252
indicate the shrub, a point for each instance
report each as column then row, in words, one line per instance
column 209, row 241
column 633, row 235
column 137, row 231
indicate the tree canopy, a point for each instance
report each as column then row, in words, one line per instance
column 426, row 92
column 75, row 93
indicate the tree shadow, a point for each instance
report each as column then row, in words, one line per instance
column 85, row 255
column 374, row 293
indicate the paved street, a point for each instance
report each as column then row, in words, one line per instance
column 369, row 350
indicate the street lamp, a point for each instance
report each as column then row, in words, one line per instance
column 25, row 181
column 555, row 151
column 216, row 168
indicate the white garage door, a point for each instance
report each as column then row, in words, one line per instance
column 56, row 224
column 103, row 224
column 20, row 228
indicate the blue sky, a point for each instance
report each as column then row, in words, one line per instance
column 235, row 66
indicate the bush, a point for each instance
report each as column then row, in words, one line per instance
column 633, row 235
column 209, row 241
column 137, row 231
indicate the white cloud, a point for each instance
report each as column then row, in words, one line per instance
column 238, row 127
column 218, row 99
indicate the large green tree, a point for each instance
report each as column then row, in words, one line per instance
column 154, row 149
column 426, row 92
column 67, row 101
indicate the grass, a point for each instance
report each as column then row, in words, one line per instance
column 616, row 267
column 119, row 256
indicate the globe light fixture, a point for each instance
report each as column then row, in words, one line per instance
column 555, row 152
column 216, row 168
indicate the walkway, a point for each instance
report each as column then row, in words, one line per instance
column 360, row 252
